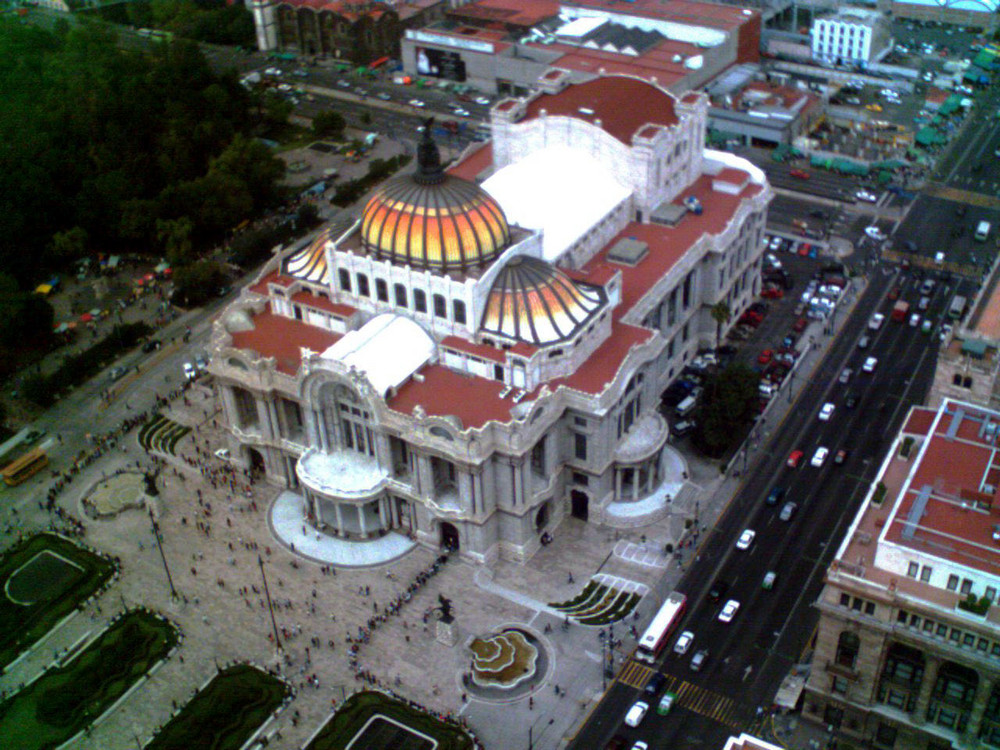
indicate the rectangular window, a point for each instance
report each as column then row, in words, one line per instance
column 345, row 279
column 995, row 649
column 912, row 570
column 440, row 307
column 942, row 631
column 925, row 573
column 419, row 300
column 381, row 290
column 968, row 640
column 458, row 309
column 363, row 288
column 955, row 635
column 991, row 593
column 966, row 586
column 914, row 619
column 581, row 479
column 870, row 609
column 839, row 685
column 929, row 627
column 580, row 446
column 885, row 737
column 400, row 291
column 856, row 604
column 952, row 582
column 845, row 600
column 983, row 645
column 901, row 617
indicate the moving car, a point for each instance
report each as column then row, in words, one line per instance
column 840, row 456
column 416, row 103
column 699, row 659
column 729, row 611
column 874, row 232
column 864, row 195
column 800, row 173
column 794, row 458
column 746, row 539
column 655, row 684
column 845, row 375
column 870, row 364
column 876, row 322
column 684, row 642
column 863, row 342
column 787, row 511
column 637, row 713
column 774, row 496
column 768, row 582
column 826, row 412
column 718, row 589
column 819, row 457
column 666, row 703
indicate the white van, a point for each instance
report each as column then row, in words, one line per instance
column 685, row 407
column 982, row 231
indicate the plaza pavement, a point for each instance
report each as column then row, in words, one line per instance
column 220, row 625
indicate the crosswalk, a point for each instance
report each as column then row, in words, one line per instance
column 940, row 190
column 691, row 697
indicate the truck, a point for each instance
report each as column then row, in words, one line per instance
column 982, row 231
column 900, row 311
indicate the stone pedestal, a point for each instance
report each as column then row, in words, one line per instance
column 447, row 631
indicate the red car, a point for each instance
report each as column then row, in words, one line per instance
column 772, row 292
column 894, row 293
column 800, row 173
column 804, row 249
column 765, row 356
column 800, row 325
column 794, row 458
column 751, row 318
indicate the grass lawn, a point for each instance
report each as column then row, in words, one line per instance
column 352, row 716
column 71, row 697
column 226, row 713
column 55, row 586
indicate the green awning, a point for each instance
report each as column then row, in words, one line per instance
column 974, row 348
column 929, row 137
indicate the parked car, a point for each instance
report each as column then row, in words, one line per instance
column 800, row 173
column 864, row 195
column 151, row 346
column 117, row 373
column 190, row 373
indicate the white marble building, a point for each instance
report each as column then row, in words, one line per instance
column 469, row 363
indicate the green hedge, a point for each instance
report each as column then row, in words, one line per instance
column 20, row 626
column 225, row 713
column 67, row 699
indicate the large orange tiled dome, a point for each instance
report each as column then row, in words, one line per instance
column 433, row 220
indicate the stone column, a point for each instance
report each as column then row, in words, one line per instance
column 338, row 511
column 978, row 709
column 618, row 484
column 229, row 405
column 635, row 484
column 361, row 520
column 924, row 696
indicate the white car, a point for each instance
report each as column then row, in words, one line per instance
column 640, row 745
column 914, row 320
column 746, row 539
column 876, row 322
column 826, row 412
column 819, row 457
column 416, row 103
column 729, row 611
column 874, row 232
column 483, row 100
column 864, row 195
column 462, row 112
column 637, row 713
column 870, row 364
column 190, row 373
column 684, row 642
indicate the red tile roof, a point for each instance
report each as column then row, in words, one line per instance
column 280, row 337
column 733, row 176
column 508, row 13
column 594, row 375
column 667, row 245
column 612, row 100
column 272, row 278
column 919, row 421
column 473, row 164
column 322, row 303
column 444, row 392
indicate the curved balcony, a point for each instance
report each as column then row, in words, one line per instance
column 343, row 475
column 646, row 437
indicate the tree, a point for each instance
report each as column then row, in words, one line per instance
column 328, row 124
column 197, row 283
column 175, row 236
column 254, row 163
column 728, row 406
column 69, row 245
column 721, row 315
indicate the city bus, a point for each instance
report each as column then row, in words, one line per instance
column 18, row 470
column 659, row 630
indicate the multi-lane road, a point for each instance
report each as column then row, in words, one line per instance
column 750, row 656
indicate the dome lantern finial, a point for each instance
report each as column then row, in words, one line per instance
column 429, row 171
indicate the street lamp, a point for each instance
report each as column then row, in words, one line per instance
column 159, row 546
column 270, row 607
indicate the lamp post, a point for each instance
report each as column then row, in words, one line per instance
column 270, row 607
column 159, row 546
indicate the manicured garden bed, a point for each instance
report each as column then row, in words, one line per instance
column 358, row 712
column 225, row 713
column 69, row 698
column 55, row 576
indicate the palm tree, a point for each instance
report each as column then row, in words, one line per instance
column 721, row 315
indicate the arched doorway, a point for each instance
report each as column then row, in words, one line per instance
column 542, row 516
column 256, row 462
column 579, row 503
column 449, row 537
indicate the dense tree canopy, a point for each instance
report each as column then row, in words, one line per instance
column 729, row 404
column 107, row 150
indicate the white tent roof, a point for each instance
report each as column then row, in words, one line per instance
column 561, row 190
column 388, row 349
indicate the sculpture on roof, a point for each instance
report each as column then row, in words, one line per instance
column 429, row 171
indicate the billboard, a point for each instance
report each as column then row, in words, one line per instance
column 440, row 64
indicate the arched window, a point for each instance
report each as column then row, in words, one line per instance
column 848, row 646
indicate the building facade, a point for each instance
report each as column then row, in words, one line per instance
column 908, row 645
column 480, row 353
column 852, row 35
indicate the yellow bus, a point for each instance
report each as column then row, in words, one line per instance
column 28, row 465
